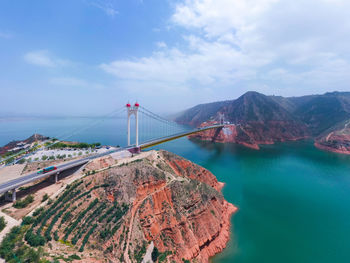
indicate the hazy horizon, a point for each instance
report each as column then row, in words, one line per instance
column 4, row 115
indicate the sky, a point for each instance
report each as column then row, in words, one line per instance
column 89, row 57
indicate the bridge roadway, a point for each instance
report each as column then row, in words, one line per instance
column 13, row 184
column 155, row 142
column 18, row 182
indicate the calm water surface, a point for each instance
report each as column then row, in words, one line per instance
column 293, row 200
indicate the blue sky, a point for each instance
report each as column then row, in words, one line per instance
column 86, row 57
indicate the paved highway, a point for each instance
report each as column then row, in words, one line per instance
column 152, row 143
column 18, row 182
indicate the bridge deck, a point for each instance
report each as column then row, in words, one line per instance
column 8, row 185
column 155, row 142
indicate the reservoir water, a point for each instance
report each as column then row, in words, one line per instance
column 293, row 199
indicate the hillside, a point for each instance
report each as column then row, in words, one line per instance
column 118, row 213
column 260, row 119
column 15, row 144
column 200, row 113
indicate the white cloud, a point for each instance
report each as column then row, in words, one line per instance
column 161, row 44
column 106, row 6
column 231, row 46
column 44, row 58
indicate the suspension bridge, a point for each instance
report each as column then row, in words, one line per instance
column 149, row 128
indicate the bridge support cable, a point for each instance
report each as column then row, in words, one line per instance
column 94, row 123
column 155, row 126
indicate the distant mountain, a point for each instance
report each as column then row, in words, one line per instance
column 200, row 113
column 324, row 112
column 266, row 119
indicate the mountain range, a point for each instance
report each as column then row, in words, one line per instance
column 256, row 119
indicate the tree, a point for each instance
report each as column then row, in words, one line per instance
column 24, row 202
column 27, row 220
column 8, row 161
column 21, row 161
column 44, row 157
column 155, row 254
column 45, row 197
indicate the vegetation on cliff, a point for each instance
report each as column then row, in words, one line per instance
column 118, row 211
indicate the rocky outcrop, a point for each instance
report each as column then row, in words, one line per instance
column 336, row 141
column 115, row 212
column 14, row 144
column 252, row 134
column 188, row 216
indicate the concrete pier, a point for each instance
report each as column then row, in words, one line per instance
column 10, row 197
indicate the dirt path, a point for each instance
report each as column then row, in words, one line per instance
column 11, row 222
column 148, row 256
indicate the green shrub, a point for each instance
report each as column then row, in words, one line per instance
column 33, row 239
column 24, row 202
column 27, row 220
column 86, row 238
column 78, row 220
column 14, row 250
column 155, row 254
column 45, row 197
column 38, row 211
column 21, row 161
column 66, row 217
column 140, row 252
column 2, row 223
column 55, row 235
column 74, row 256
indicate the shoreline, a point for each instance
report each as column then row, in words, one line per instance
column 256, row 145
column 224, row 235
column 329, row 149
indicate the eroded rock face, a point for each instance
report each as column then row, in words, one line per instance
column 252, row 134
column 189, row 215
column 162, row 198
column 336, row 141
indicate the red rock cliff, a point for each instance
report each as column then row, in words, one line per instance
column 116, row 213
column 252, row 134
column 188, row 217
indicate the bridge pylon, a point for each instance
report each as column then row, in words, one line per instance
column 133, row 110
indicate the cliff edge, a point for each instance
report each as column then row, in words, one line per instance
column 156, row 202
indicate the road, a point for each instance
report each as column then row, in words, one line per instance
column 15, row 183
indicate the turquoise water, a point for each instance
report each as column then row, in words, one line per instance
column 293, row 200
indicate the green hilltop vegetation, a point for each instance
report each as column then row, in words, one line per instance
column 60, row 216
column 81, row 145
